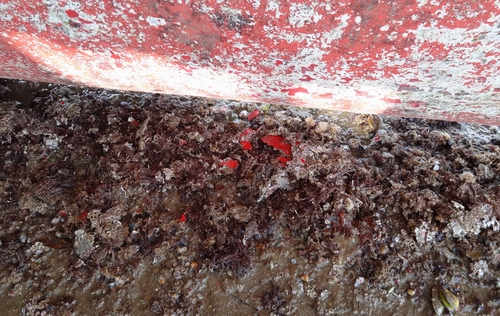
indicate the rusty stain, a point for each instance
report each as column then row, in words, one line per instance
column 414, row 58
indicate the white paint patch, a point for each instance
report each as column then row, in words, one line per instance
column 205, row 9
column 392, row 36
column 256, row 4
column 422, row 3
column 235, row 16
column 155, row 21
column 336, row 33
column 57, row 16
column 4, row 16
column 385, row 28
column 274, row 5
column 357, row 19
column 37, row 22
column 302, row 14
column 239, row 45
column 441, row 13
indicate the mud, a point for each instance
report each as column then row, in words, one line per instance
column 142, row 204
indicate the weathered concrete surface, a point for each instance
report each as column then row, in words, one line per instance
column 425, row 58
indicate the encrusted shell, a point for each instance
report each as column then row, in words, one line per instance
column 436, row 302
column 449, row 300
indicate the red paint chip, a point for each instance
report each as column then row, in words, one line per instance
column 253, row 115
column 246, row 145
column 249, row 131
column 72, row 14
column 230, row 163
column 278, row 142
column 183, row 218
column 83, row 216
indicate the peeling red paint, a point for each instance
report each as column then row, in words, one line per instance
column 298, row 52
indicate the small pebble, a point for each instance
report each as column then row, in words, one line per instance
column 305, row 278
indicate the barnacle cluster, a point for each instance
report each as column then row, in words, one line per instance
column 212, row 204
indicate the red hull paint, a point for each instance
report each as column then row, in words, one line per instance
column 423, row 58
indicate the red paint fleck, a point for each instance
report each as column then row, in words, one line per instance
column 306, row 78
column 326, row 95
column 138, row 211
column 246, row 145
column 303, row 161
column 253, row 115
column 496, row 90
column 361, row 93
column 278, row 142
column 435, row 49
column 376, row 138
column 416, row 104
column 182, row 142
column 230, row 163
column 249, row 131
column 485, row 89
column 278, row 62
column 392, row 101
column 135, row 123
column 309, row 68
column 84, row 21
column 72, row 14
column 186, row 57
column 290, row 70
column 114, row 56
column 183, row 218
column 63, row 213
column 83, row 216
column 62, row 102
column 293, row 91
